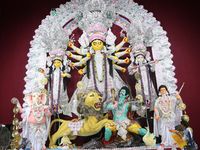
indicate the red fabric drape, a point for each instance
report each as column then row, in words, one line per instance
column 19, row 19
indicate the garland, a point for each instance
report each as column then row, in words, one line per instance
column 94, row 74
column 38, row 118
column 170, row 107
column 104, row 74
column 58, row 92
column 95, row 69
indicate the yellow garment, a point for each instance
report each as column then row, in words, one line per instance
column 134, row 128
column 179, row 141
column 111, row 127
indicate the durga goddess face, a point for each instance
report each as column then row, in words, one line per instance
column 97, row 45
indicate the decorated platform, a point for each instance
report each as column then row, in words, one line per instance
column 157, row 147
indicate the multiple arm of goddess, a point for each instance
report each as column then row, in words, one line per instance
column 83, row 58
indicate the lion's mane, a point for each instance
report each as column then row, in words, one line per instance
column 86, row 110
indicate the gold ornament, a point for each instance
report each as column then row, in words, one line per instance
column 186, row 117
column 182, row 106
column 44, row 91
column 138, row 87
column 137, row 76
column 15, row 122
column 15, row 140
column 15, row 110
column 44, row 81
column 15, row 134
column 140, row 97
column 15, row 128
column 81, row 85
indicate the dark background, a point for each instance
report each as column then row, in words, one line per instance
column 20, row 18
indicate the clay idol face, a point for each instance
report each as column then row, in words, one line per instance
column 163, row 91
column 140, row 58
column 97, row 45
column 57, row 63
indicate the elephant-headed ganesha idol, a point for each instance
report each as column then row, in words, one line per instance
column 35, row 119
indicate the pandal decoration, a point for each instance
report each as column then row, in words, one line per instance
column 131, row 148
column 15, row 122
column 64, row 16
column 69, row 16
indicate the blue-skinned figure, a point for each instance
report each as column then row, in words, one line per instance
column 121, row 122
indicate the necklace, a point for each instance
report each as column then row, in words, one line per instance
column 39, row 105
column 38, row 115
column 105, row 72
column 162, row 110
column 95, row 69
column 119, row 113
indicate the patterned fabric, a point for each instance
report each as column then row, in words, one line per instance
column 63, row 97
column 37, row 135
column 75, row 126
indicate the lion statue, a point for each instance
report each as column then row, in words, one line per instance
column 90, row 106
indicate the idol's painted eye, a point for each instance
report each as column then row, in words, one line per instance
column 94, row 43
column 92, row 95
column 99, row 43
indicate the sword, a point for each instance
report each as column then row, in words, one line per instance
column 179, row 94
column 133, row 101
column 181, row 88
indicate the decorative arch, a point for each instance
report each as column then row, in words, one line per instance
column 68, row 15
